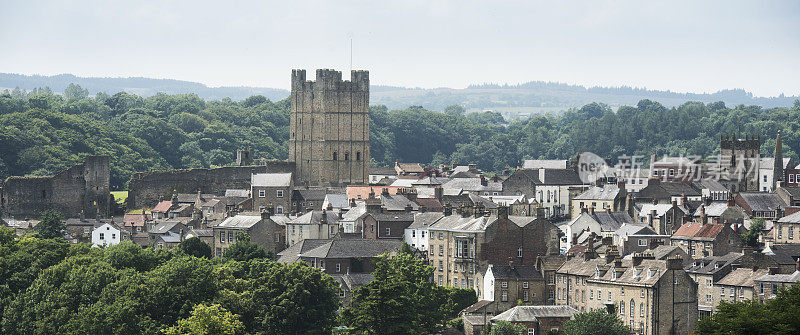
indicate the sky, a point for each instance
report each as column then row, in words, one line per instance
column 683, row 46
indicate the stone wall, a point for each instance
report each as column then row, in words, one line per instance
column 145, row 188
column 81, row 188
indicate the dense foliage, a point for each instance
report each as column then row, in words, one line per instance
column 780, row 315
column 598, row 322
column 402, row 299
column 43, row 133
column 48, row 286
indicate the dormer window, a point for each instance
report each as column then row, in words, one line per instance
column 596, row 272
column 649, row 273
column 613, row 274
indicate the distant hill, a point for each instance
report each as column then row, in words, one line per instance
column 511, row 100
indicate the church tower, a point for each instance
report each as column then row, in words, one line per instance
column 329, row 128
column 777, row 168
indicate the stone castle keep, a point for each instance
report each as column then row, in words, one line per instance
column 81, row 189
column 329, row 128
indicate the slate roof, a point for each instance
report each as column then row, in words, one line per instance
column 170, row 237
column 663, row 251
column 681, row 160
column 385, row 171
column 86, row 222
column 628, row 229
column 712, row 264
column 769, row 163
column 350, row 248
column 271, row 179
column 202, row 232
column 315, row 217
column 237, row 193
column 425, row 220
column 488, row 204
column 430, row 181
column 710, row 184
column 714, row 209
column 459, row 223
column 660, row 209
column 784, row 254
column 742, row 277
column 292, row 253
column 523, row 272
column 356, row 212
column 396, row 202
column 561, row 177
column 697, row 230
column 240, row 222
column 608, row 221
column 163, row 227
column 606, row 192
column 134, row 220
column 336, row 200
column 354, row 280
column 393, row 217
column 794, row 218
column 544, row 164
column 762, row 202
column 666, row 189
column 780, row 278
column 476, row 306
column 411, row 167
column 473, row 184
column 533, row 313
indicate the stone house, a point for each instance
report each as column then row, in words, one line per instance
column 538, row 319
column 506, row 285
column 349, row 283
column 738, row 285
column 340, row 256
column 663, row 218
column 262, row 230
column 787, row 229
column 767, row 286
column 315, row 224
column 387, row 225
column 701, row 240
column 665, row 192
column 416, row 235
column 790, row 195
column 601, row 222
column 651, row 296
column 272, row 190
column 608, row 196
column 707, row 272
column 761, row 205
column 80, row 230
column 307, row 200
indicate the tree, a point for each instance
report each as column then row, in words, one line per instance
column 75, row 91
column 244, row 250
column 780, row 315
column 454, row 110
column 208, row 320
column 195, row 247
column 51, row 225
column 506, row 328
column 750, row 238
column 596, row 323
column 402, row 299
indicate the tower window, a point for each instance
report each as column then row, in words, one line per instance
column 358, row 155
column 335, row 157
column 346, row 156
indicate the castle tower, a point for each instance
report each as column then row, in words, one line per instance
column 329, row 128
column 777, row 168
column 244, row 156
column 739, row 161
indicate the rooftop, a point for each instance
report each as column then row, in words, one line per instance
column 533, row 313
column 271, row 179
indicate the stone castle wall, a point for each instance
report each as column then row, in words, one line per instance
column 145, row 188
column 329, row 128
column 81, row 188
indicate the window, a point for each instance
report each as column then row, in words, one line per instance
column 505, row 296
column 761, row 288
column 609, row 295
column 441, row 236
column 531, row 331
column 279, row 193
column 524, row 284
column 519, row 252
column 341, row 294
column 622, row 307
column 262, row 193
column 230, row 237
column 160, row 245
column 338, row 267
column 455, row 282
column 279, row 209
column 591, row 295
column 441, row 250
column 524, row 295
column 641, row 295
column 551, row 294
column 113, row 236
column 633, row 308
column 708, row 298
column 741, row 292
column 708, row 282
column 346, row 156
column 102, row 237
column 413, row 233
column 222, row 236
column 641, row 309
column 721, row 291
column 388, row 231
column 655, row 173
column 552, row 279
column 441, row 268
column 431, row 250
column 440, row 276
column 791, row 232
column 622, row 291
column 733, row 289
column 671, row 174
column 780, row 232
column 504, row 284
column 642, row 242
column 335, row 156
column 86, row 230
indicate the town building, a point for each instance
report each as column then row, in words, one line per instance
column 538, row 319
column 340, row 256
column 313, row 225
column 272, row 190
column 701, row 239
column 261, row 229
column 707, row 272
column 109, row 234
column 608, row 196
column 506, row 285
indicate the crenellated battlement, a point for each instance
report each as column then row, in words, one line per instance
column 329, row 79
column 731, row 141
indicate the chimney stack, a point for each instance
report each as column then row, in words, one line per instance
column 703, row 217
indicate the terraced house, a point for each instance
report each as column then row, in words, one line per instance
column 651, row 296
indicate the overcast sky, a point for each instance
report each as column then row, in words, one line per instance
column 686, row 46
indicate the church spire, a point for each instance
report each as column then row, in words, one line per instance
column 777, row 168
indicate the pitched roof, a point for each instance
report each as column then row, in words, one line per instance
column 473, row 184
column 762, row 202
column 459, row 223
column 396, row 202
column 393, row 217
column 712, row 264
column 430, row 204
column 769, row 163
column 134, row 220
column 780, row 278
column 794, row 218
column 545, row 164
column 660, row 209
column 386, row 171
column 240, row 222
column 162, row 207
column 352, row 248
column 315, row 217
column 271, row 179
column 606, row 192
column 292, row 253
column 336, row 200
column 742, row 277
column 714, row 209
column 784, row 254
column 163, row 227
column 515, row 272
column 410, row 167
column 697, row 230
column 309, row 195
column 608, row 221
column 237, row 193
column 533, row 313
column 424, row 220
column 561, row 177
column 710, row 184
column 665, row 189
column 362, row 192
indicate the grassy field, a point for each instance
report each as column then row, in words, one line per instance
column 120, row 196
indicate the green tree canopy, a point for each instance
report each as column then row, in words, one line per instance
column 208, row 320
column 195, row 247
column 244, row 250
column 597, row 322
column 51, row 225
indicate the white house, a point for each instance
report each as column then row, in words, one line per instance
column 108, row 234
column 416, row 235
